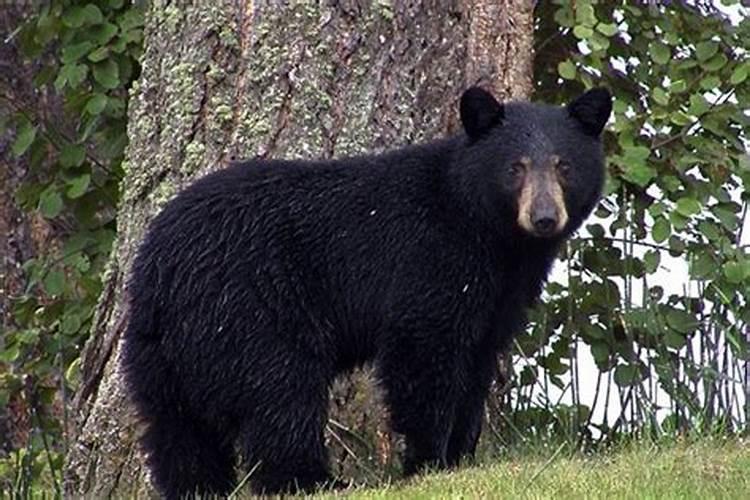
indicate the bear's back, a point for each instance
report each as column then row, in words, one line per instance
column 334, row 237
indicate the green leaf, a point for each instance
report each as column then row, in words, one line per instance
column 54, row 282
column 676, row 246
column 681, row 321
column 638, row 153
column 10, row 353
column 82, row 263
column 659, row 53
column 72, row 53
column 598, row 42
column 674, row 340
column 710, row 82
column 564, row 17
column 679, row 221
column 735, row 272
column 74, row 17
column 739, row 75
column 715, row 63
column 27, row 337
column 679, row 118
column 678, row 86
column 77, row 75
column 698, row 105
column 72, row 155
column 672, row 38
column 96, row 104
column 596, row 230
column 89, row 127
column 585, row 13
column 72, row 75
column 120, row 44
column 636, row 169
column 77, row 242
column 107, row 74
column 103, row 33
column 594, row 331
column 27, row 195
column 710, row 230
column 688, row 206
column 670, row 183
column 50, row 203
column 73, row 372
column 705, row 50
column 657, row 209
column 71, row 323
column 567, row 70
column 626, row 375
column 47, row 28
column 702, row 266
column 639, row 174
column 727, row 217
column 24, row 138
column 582, row 32
column 660, row 96
column 78, row 186
column 607, row 29
column 651, row 261
column 132, row 18
column 77, row 16
column 99, row 54
column 661, row 230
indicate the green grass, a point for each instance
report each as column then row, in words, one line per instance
column 707, row 469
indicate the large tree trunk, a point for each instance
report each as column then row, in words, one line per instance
column 232, row 80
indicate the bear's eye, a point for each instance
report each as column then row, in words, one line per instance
column 517, row 169
column 564, row 168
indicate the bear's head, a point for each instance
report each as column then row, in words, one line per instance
column 541, row 166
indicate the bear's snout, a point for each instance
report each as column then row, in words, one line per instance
column 541, row 204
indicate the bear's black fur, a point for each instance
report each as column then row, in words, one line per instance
column 260, row 283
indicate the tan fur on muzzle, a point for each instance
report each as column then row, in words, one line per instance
column 538, row 184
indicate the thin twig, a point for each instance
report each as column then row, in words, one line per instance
column 544, row 467
column 244, row 481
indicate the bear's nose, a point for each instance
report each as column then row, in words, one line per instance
column 545, row 225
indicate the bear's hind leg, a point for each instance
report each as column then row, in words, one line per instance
column 186, row 459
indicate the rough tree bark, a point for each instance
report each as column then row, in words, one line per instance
column 237, row 79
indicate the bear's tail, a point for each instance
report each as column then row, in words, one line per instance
column 146, row 372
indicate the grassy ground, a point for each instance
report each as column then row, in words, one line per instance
column 708, row 469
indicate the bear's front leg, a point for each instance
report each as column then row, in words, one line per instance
column 418, row 373
column 466, row 429
column 478, row 376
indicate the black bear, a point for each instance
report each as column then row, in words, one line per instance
column 260, row 283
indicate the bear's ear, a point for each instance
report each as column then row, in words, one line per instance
column 592, row 110
column 480, row 111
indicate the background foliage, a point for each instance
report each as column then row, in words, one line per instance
column 670, row 354
column 88, row 56
column 656, row 288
